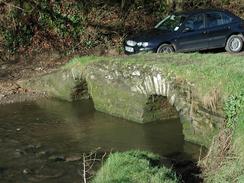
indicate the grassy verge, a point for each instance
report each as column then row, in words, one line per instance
column 134, row 167
column 206, row 71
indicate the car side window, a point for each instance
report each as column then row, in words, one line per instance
column 226, row 19
column 214, row 19
column 195, row 22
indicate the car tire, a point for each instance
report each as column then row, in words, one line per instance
column 234, row 44
column 165, row 48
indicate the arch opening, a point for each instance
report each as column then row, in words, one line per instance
column 80, row 91
column 158, row 107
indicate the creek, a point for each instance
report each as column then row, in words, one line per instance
column 43, row 141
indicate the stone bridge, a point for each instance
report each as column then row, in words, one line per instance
column 131, row 91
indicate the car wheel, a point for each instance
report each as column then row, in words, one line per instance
column 165, row 48
column 234, row 44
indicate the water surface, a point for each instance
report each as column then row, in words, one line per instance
column 38, row 138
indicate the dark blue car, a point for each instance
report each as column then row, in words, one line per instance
column 191, row 31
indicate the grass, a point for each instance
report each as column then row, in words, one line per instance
column 206, row 71
column 134, row 167
column 82, row 61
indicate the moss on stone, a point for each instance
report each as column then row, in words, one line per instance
column 202, row 136
column 116, row 101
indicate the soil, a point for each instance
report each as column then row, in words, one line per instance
column 23, row 68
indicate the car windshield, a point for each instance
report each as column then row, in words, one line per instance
column 171, row 23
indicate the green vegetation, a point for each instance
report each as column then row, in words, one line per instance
column 134, row 167
column 28, row 20
column 205, row 71
column 233, row 107
column 83, row 61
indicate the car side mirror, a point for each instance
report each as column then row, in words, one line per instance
column 187, row 29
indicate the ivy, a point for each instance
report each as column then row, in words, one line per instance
column 61, row 18
column 232, row 109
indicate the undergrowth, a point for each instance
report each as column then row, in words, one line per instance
column 225, row 160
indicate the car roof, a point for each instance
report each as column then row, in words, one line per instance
column 197, row 11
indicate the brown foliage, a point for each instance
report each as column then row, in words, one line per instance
column 211, row 100
column 218, row 151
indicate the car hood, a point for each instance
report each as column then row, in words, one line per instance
column 151, row 35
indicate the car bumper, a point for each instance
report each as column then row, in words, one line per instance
column 133, row 50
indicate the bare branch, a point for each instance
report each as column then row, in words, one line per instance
column 11, row 5
column 88, row 164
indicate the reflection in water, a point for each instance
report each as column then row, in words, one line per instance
column 91, row 129
column 32, row 132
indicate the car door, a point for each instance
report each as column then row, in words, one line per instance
column 193, row 34
column 218, row 25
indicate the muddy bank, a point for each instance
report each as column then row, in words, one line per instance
column 21, row 97
column 11, row 92
column 22, row 68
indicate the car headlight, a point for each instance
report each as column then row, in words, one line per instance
column 143, row 44
column 139, row 44
column 131, row 43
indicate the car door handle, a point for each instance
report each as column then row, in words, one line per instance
column 204, row 32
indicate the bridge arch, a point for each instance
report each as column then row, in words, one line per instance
column 126, row 91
